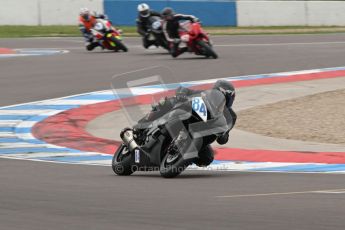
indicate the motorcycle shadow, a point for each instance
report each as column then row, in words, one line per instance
column 106, row 52
column 189, row 174
column 161, row 52
column 190, row 58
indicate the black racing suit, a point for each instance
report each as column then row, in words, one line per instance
column 143, row 28
column 206, row 155
column 230, row 116
column 182, row 93
column 171, row 31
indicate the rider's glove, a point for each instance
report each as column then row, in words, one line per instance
column 177, row 40
column 196, row 20
column 103, row 16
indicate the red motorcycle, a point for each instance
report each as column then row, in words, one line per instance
column 108, row 36
column 196, row 39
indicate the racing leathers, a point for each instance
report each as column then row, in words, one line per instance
column 85, row 27
column 166, row 104
column 206, row 154
column 143, row 28
column 171, row 31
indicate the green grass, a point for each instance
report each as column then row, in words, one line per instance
column 37, row 31
column 60, row 31
column 47, row 31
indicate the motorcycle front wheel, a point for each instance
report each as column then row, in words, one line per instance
column 119, row 44
column 123, row 162
column 207, row 49
column 173, row 163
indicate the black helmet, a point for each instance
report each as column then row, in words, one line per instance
column 167, row 11
column 228, row 89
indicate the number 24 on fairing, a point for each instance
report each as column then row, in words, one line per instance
column 199, row 107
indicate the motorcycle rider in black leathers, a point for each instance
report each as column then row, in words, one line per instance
column 165, row 105
column 143, row 27
column 171, row 26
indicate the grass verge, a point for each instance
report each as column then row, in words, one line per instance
column 68, row 31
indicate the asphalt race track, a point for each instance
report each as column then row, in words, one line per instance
column 40, row 195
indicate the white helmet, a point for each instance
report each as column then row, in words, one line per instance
column 85, row 13
column 84, row 10
column 144, row 10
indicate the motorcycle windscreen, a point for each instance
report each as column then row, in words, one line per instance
column 180, row 114
column 137, row 92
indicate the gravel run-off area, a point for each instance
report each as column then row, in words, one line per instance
column 318, row 118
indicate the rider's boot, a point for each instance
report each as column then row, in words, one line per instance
column 147, row 43
column 91, row 46
column 206, row 156
column 179, row 51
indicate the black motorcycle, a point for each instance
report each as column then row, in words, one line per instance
column 155, row 33
column 172, row 139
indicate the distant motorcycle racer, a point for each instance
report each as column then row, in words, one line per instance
column 171, row 27
column 87, row 21
column 143, row 27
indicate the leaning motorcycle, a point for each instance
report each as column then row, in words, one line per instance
column 196, row 39
column 155, row 32
column 175, row 139
column 109, row 37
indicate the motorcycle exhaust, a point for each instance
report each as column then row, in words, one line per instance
column 128, row 139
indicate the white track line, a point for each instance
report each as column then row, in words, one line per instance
column 6, row 123
column 51, row 154
column 25, row 136
column 30, row 112
column 7, row 135
column 281, row 44
column 281, row 193
column 27, row 145
column 71, row 102
column 26, row 124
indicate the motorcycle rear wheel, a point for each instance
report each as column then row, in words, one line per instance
column 122, row 162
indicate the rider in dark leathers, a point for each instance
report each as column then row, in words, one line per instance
column 144, row 13
column 165, row 105
column 171, row 26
